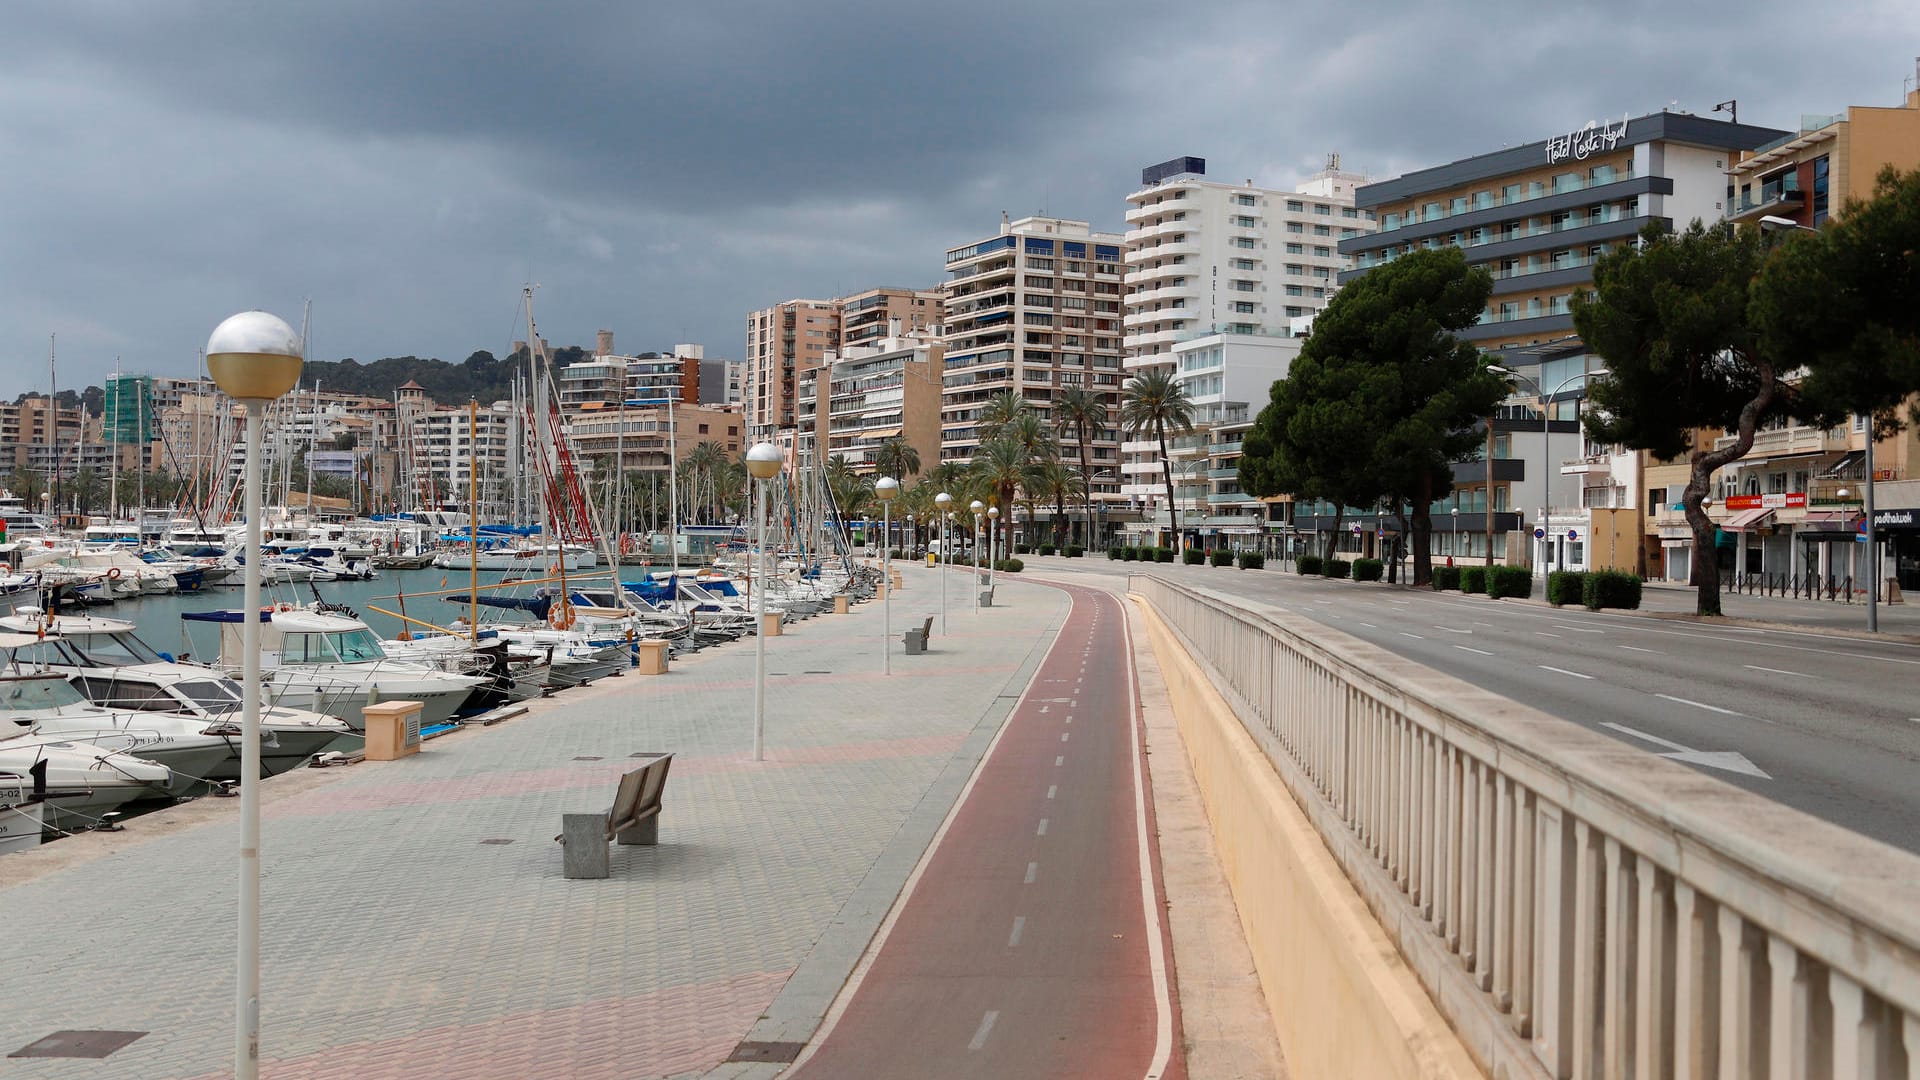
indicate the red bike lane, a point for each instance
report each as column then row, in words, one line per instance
column 1023, row 947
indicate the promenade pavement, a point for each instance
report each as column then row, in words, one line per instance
column 416, row 922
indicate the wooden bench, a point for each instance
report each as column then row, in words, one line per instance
column 634, row 818
column 916, row 637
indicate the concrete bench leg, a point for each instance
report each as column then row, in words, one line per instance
column 646, row 833
column 915, row 644
column 583, row 837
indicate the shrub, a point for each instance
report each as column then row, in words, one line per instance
column 1516, row 581
column 1075, row 551
column 1368, row 569
column 1473, row 579
column 1446, row 577
column 1009, row 566
column 1045, row 549
column 1611, row 589
column 1220, row 557
column 1114, row 554
column 1252, row 560
column 1193, row 557
column 1129, row 554
column 1022, row 548
column 1566, row 587
column 1335, row 568
column 1163, row 554
column 1307, row 564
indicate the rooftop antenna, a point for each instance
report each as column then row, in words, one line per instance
column 1333, row 162
column 1731, row 107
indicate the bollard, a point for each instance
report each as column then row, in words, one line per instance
column 393, row 730
column 986, row 597
column 840, row 603
column 652, row 657
column 770, row 624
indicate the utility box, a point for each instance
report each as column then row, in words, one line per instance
column 840, row 604
column 770, row 624
column 651, row 657
column 393, row 730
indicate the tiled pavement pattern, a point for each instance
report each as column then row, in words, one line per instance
column 395, row 943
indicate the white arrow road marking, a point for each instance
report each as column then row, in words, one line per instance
column 1729, row 760
column 1562, row 671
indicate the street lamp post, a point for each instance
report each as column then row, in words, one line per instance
column 254, row 358
column 1455, row 553
column 977, row 507
column 763, row 463
column 885, row 489
column 944, row 501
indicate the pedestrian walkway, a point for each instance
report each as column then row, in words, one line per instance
column 415, row 921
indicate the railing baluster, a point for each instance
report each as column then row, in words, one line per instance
column 1483, row 859
column 1554, row 994
column 1503, row 889
column 1788, row 1014
column 1588, row 920
column 1653, row 977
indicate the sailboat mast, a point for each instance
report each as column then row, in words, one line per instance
column 473, row 523
column 53, row 422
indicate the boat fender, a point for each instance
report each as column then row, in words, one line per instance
column 113, row 573
column 283, row 606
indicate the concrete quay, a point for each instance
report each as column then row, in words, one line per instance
column 416, row 921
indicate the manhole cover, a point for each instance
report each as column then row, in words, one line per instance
column 767, row 1051
column 92, row 1044
column 586, row 759
column 496, row 840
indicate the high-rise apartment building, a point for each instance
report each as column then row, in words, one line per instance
column 886, row 389
column 783, row 341
column 865, row 317
column 1218, row 273
column 1036, row 310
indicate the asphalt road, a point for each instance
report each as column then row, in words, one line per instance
column 1824, row 723
column 1022, row 948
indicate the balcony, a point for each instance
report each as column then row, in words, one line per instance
column 1163, row 251
column 1581, row 466
column 1790, row 441
column 1137, row 278
column 1777, row 199
column 1164, row 293
column 1138, row 236
column 1134, row 319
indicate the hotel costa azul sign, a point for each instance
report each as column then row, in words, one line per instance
column 1581, row 143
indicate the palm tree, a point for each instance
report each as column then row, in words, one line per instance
column 1082, row 412
column 1152, row 404
column 897, row 458
column 1001, row 466
column 703, row 463
column 1053, row 480
column 1000, row 410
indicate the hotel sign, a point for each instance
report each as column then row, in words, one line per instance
column 1581, row 143
column 1777, row 501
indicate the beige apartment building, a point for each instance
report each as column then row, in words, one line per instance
column 786, row 341
column 1034, row 309
column 887, row 389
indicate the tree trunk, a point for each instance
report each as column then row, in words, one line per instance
column 1086, row 478
column 1173, row 512
column 1422, row 532
column 1701, row 466
column 1333, row 538
column 1060, row 521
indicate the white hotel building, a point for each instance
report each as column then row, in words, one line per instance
column 1218, row 274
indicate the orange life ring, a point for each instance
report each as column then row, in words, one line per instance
column 113, row 573
column 283, row 606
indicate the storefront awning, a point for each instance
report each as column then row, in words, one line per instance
column 1826, row 518
column 1747, row 519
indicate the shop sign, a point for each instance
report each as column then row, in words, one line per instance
column 1894, row 519
column 1776, row 501
column 1581, row 143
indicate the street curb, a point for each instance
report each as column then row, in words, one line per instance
column 801, row 1005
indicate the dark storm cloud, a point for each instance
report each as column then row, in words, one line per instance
column 662, row 169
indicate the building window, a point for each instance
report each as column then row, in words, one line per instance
column 1297, row 269
column 1295, row 227
column 1819, row 203
column 1296, row 249
column 1322, row 251
column 1243, row 200
column 1242, row 221
column 1295, row 290
column 1322, row 230
column 1237, row 264
column 1244, row 242
column 1296, row 206
column 1243, row 307
column 1039, row 264
column 1349, row 212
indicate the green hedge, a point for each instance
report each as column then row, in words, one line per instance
column 1046, row 549
column 1116, row 553
column 1129, row 554
column 1611, row 589
column 1220, row 557
column 1075, row 551
column 1516, row 581
column 1009, row 566
column 1335, row 568
column 1164, row 554
column 896, row 553
column 1473, row 579
column 1368, row 569
column 1022, row 548
column 1566, row 587
column 1307, row 564
column 1446, row 578
column 1252, row 560
column 1193, row 557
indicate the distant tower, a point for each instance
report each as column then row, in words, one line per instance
column 603, row 343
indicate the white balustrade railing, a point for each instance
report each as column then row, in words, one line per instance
column 1576, row 907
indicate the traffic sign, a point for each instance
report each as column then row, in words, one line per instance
column 1539, row 533
column 1573, row 534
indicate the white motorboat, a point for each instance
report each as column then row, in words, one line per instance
column 83, row 783
column 108, row 663
column 527, row 560
column 331, row 663
column 22, row 814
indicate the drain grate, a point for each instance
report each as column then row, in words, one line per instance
column 85, row 1044
column 816, row 673
column 586, row 758
column 497, row 840
column 767, row 1051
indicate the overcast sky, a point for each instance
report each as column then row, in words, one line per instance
column 660, row 169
